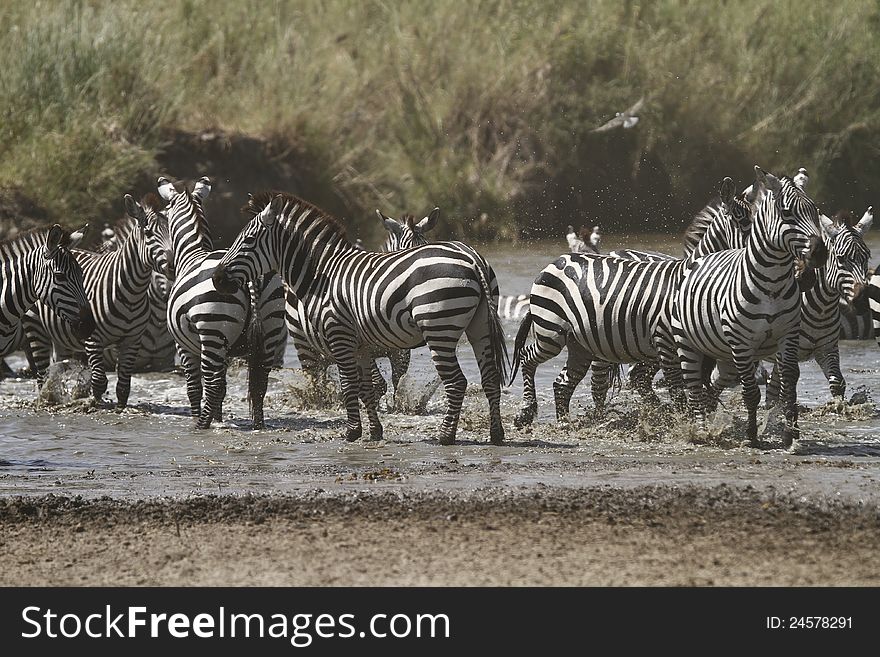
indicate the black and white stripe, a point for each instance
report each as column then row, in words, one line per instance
column 606, row 310
column 360, row 300
column 116, row 281
column 737, row 306
column 209, row 326
column 838, row 283
column 404, row 233
column 37, row 266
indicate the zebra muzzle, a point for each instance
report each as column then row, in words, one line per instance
column 221, row 280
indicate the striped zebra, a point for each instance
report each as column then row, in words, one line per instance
column 513, row 307
column 37, row 266
column 209, row 326
column 608, row 310
column 736, row 306
column 116, row 280
column 842, row 279
column 358, row 300
column 402, row 234
column 157, row 345
column 873, row 293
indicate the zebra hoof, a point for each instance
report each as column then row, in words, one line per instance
column 351, row 435
column 497, row 437
column 446, row 439
column 525, row 416
column 259, row 425
column 376, row 435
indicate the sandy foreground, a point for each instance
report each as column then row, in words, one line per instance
column 590, row 536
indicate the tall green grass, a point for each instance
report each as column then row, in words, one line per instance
column 482, row 107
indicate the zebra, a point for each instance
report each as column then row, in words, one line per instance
column 37, row 266
column 157, row 345
column 116, row 279
column 874, row 304
column 842, row 279
column 207, row 325
column 402, row 234
column 609, row 310
column 513, row 307
column 739, row 305
column 432, row 293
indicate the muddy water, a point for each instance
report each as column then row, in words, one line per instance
column 151, row 450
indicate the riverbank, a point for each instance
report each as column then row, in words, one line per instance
column 657, row 535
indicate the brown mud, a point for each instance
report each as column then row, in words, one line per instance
column 655, row 535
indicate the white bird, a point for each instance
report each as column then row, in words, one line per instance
column 801, row 178
column 867, row 219
column 596, row 238
column 575, row 243
column 625, row 119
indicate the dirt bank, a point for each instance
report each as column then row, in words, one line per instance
column 593, row 536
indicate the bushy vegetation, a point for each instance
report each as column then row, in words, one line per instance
column 482, row 107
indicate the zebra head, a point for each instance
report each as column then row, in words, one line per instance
column 154, row 238
column 847, row 268
column 406, row 233
column 59, row 281
column 186, row 218
column 789, row 218
column 256, row 249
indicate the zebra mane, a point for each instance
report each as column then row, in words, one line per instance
column 124, row 225
column 28, row 240
column 698, row 226
column 407, row 220
column 257, row 202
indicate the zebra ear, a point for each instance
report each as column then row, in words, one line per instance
column 202, row 188
column 430, row 221
column 270, row 213
column 830, row 228
column 865, row 222
column 134, row 210
column 53, row 240
column 727, row 190
column 390, row 224
column 767, row 180
column 165, row 188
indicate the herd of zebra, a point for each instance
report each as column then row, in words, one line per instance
column 765, row 276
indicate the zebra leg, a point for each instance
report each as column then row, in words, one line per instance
column 576, row 365
column 351, row 378
column 454, row 383
column 38, row 349
column 773, row 385
column 790, row 373
column 95, row 355
column 829, row 361
column 538, row 352
column 377, row 386
column 125, row 359
column 192, row 371
column 745, row 366
column 213, row 366
column 692, row 375
column 369, row 395
column 479, row 336
column 641, row 376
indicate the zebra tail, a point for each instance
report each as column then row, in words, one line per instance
column 256, row 346
column 615, row 378
column 496, row 331
column 522, row 334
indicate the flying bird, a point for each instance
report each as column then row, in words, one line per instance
column 625, row 119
